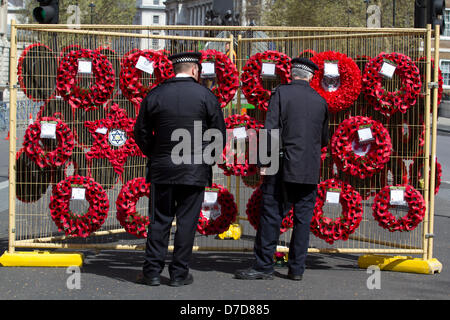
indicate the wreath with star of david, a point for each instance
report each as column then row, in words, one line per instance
column 113, row 138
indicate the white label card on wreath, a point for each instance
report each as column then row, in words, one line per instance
column 397, row 196
column 206, row 214
column 268, row 69
column 333, row 197
column 78, row 194
column 388, row 70
column 215, row 213
column 102, row 130
column 145, row 65
column 240, row 133
column 208, row 69
column 210, row 197
column 365, row 134
column 331, row 69
column 48, row 130
column 84, row 66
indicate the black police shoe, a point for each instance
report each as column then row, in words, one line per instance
column 182, row 282
column 252, row 274
column 295, row 277
column 153, row 281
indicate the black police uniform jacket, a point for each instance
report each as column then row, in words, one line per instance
column 178, row 103
column 302, row 115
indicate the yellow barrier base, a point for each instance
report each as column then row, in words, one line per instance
column 41, row 259
column 234, row 232
column 400, row 264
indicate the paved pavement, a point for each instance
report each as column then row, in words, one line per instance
column 109, row 275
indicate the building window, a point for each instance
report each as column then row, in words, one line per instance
column 447, row 23
column 445, row 68
column 155, row 42
column 156, row 2
column 155, row 19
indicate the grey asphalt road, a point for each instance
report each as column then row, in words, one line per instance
column 110, row 275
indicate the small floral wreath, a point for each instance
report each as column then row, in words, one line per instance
column 130, row 76
column 387, row 220
column 407, row 135
column 38, row 154
column 350, row 80
column 254, row 211
column 253, row 181
column 68, row 86
column 240, row 164
column 37, row 87
column 385, row 101
column 363, row 160
column 252, row 83
column 113, row 138
column 133, row 222
column 307, row 53
column 227, row 76
column 78, row 225
column 416, row 175
column 332, row 230
column 420, row 63
column 228, row 212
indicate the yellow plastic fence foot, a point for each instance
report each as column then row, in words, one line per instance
column 41, row 259
column 401, row 264
column 234, row 232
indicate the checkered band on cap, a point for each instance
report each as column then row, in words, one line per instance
column 184, row 60
column 303, row 67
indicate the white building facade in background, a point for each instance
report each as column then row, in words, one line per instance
column 151, row 13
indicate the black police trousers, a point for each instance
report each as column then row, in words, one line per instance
column 303, row 198
column 183, row 202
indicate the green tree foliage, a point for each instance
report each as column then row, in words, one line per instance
column 104, row 12
column 336, row 13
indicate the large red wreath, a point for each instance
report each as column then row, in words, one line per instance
column 375, row 154
column 116, row 122
column 252, row 83
column 350, row 80
column 387, row 220
column 380, row 98
column 226, row 73
column 240, row 166
column 130, row 76
column 340, row 228
column 37, row 151
column 73, row 224
column 68, row 85
column 228, row 212
column 133, row 222
column 254, row 212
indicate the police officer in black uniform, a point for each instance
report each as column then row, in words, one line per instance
column 301, row 115
column 177, row 189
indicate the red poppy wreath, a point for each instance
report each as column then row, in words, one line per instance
column 235, row 161
column 80, row 188
column 226, row 73
column 385, row 65
column 254, row 212
column 251, row 78
column 416, row 174
column 48, row 128
column 361, row 146
column 132, row 69
column 217, row 216
column 344, row 84
column 383, row 202
column 133, row 222
column 113, row 138
column 341, row 228
column 89, row 62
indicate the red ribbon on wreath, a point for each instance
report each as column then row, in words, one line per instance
column 350, row 80
column 133, row 222
column 68, row 85
column 226, row 73
column 227, row 208
column 340, row 228
column 380, row 98
column 254, row 212
column 252, row 83
column 130, row 76
column 415, row 215
column 363, row 159
column 241, row 164
column 38, row 153
column 113, row 138
column 73, row 224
